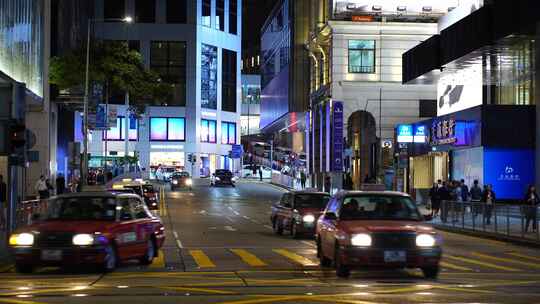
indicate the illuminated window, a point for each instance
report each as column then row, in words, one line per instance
column 167, row 129
column 118, row 131
column 362, row 56
column 228, row 133
column 208, row 131
column 206, row 12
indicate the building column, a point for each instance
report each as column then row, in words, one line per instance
column 537, row 102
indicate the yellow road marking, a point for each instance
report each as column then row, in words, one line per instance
column 158, row 262
column 520, row 255
column 295, row 257
column 485, row 264
column 248, row 257
column 455, row 267
column 215, row 291
column 14, row 301
column 485, row 256
column 201, row 259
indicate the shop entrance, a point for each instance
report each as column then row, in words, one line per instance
column 426, row 170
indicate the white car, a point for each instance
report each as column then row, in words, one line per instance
column 247, row 172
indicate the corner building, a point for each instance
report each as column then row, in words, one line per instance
column 194, row 45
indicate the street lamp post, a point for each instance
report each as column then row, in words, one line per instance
column 84, row 173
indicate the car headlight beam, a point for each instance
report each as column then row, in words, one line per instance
column 83, row 239
column 189, row 182
column 22, row 239
column 425, row 240
column 361, row 240
column 308, row 218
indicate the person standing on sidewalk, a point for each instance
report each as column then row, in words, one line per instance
column 531, row 204
column 464, row 191
column 303, row 179
column 488, row 198
column 434, row 199
column 3, row 203
column 476, row 197
column 42, row 188
column 60, row 184
column 327, row 184
column 260, row 174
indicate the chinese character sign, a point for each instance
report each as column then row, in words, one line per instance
column 337, row 113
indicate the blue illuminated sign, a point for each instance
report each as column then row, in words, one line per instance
column 510, row 171
column 420, row 134
column 405, row 134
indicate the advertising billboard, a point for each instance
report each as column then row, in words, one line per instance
column 405, row 134
column 459, row 90
column 409, row 7
column 510, row 171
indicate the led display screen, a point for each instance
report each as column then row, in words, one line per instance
column 232, row 134
column 224, row 132
column 510, row 171
column 158, row 128
column 176, row 129
column 114, row 132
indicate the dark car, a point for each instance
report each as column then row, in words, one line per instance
column 376, row 229
column 222, row 177
column 181, row 180
column 150, row 196
column 298, row 212
column 90, row 228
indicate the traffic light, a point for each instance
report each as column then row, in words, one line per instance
column 16, row 136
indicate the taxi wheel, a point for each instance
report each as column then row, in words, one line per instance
column 431, row 272
column 342, row 271
column 24, row 268
column 150, row 253
column 278, row 229
column 111, row 259
column 325, row 262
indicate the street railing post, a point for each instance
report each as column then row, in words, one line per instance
column 508, row 220
column 463, row 214
column 474, row 213
column 522, row 225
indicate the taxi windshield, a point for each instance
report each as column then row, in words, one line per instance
column 82, row 208
column 311, row 200
column 137, row 189
column 379, row 207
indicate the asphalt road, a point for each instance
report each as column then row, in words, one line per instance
column 220, row 249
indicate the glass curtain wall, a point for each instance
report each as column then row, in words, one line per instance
column 21, row 42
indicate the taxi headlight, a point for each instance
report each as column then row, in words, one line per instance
column 218, row 179
column 362, row 239
column 83, row 239
column 189, row 182
column 22, row 239
column 175, row 181
column 308, row 218
column 425, row 240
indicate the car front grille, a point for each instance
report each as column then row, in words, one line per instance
column 394, row 240
column 54, row 239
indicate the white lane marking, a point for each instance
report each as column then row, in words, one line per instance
column 229, row 219
column 229, row 228
column 202, row 211
column 236, row 212
column 256, row 222
column 175, row 234
column 179, row 244
column 269, row 227
column 246, row 217
column 310, row 244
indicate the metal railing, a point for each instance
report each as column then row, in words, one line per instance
column 510, row 220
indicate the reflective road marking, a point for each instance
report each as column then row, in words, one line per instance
column 249, row 258
column 295, row 257
column 485, row 264
column 201, row 259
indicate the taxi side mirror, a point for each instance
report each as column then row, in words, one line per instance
column 330, row 216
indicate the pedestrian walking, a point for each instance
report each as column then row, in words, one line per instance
column 531, row 202
column 488, row 197
column 42, row 188
column 260, row 174
column 327, row 184
column 303, row 179
column 60, row 184
column 3, row 203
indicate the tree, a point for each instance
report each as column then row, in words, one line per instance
column 116, row 68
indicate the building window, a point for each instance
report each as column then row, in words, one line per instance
column 145, row 11
column 228, row 81
column 220, row 15
column 114, row 10
column 167, row 129
column 362, row 56
column 228, row 133
column 233, row 17
column 206, row 12
column 118, row 131
column 209, row 77
column 176, row 11
column 208, row 131
column 168, row 59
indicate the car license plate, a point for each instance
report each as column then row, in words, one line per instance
column 395, row 256
column 51, row 255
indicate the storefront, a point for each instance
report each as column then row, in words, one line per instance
column 474, row 144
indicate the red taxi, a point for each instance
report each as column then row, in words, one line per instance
column 376, row 229
column 298, row 212
column 89, row 228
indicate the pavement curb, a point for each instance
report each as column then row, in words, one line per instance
column 281, row 186
column 489, row 235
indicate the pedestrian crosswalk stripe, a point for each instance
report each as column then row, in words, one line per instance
column 248, row 258
column 485, row 264
column 489, row 257
column 455, row 267
column 201, row 259
column 520, row 255
column 295, row 257
column 158, row 262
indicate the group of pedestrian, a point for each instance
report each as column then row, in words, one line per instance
column 458, row 191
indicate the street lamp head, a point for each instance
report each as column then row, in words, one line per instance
column 128, row 19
